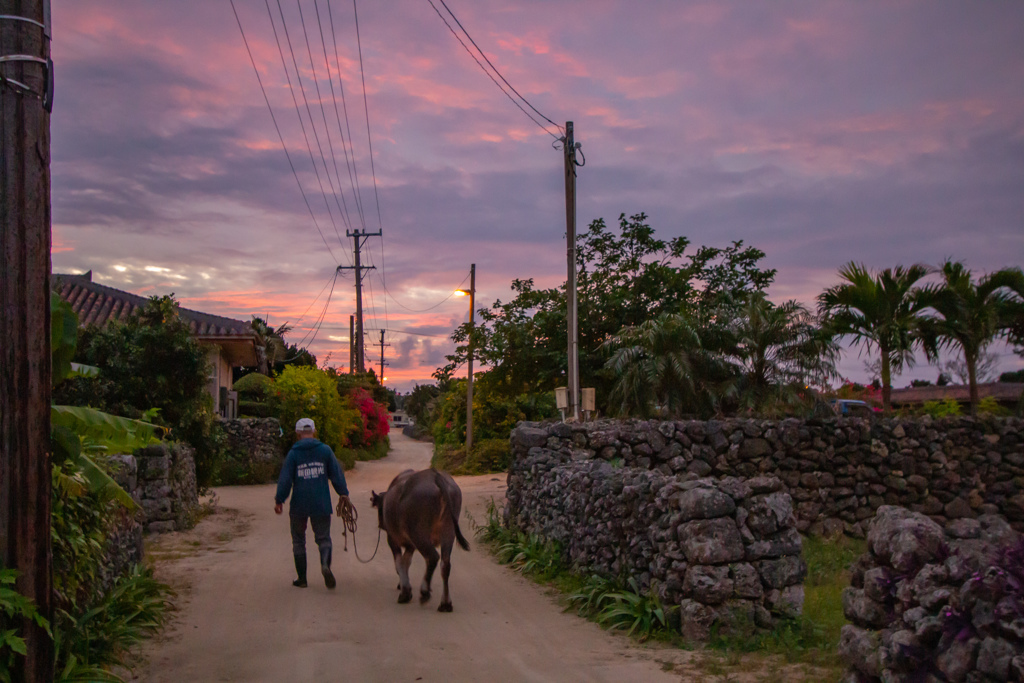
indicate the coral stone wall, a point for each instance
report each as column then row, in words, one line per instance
column 929, row 603
column 255, row 447
column 726, row 551
column 162, row 480
column 838, row 471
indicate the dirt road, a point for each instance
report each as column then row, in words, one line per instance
column 240, row 619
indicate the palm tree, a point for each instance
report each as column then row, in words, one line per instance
column 781, row 350
column 970, row 315
column 663, row 363
column 275, row 348
column 882, row 311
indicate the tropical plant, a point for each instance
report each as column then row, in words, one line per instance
column 880, row 312
column 780, row 350
column 662, row 366
column 91, row 641
column 14, row 607
column 969, row 315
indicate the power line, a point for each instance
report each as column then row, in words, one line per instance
column 298, row 111
column 281, row 137
column 331, row 279
column 353, row 171
column 323, row 113
column 422, row 310
column 337, row 114
column 482, row 67
column 373, row 170
column 315, row 329
column 366, row 109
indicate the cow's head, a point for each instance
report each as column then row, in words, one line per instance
column 377, row 501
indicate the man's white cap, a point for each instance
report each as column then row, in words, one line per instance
column 303, row 424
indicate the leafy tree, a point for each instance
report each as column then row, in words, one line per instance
column 1015, row 376
column 780, row 349
column 880, row 311
column 419, row 402
column 277, row 352
column 971, row 315
column 625, row 278
column 150, row 360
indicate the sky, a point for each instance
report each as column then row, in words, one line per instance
column 819, row 132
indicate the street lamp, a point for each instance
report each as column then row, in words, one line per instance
column 471, row 293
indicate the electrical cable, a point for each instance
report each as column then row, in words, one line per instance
column 337, row 115
column 281, row 137
column 429, row 308
column 323, row 114
column 315, row 329
column 298, row 111
column 353, row 170
column 316, row 299
column 484, row 69
column 366, row 109
column 503, row 79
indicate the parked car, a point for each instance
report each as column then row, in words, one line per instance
column 851, row 408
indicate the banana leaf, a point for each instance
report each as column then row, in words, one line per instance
column 97, row 433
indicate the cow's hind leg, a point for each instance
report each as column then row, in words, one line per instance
column 403, row 576
column 446, row 571
column 430, row 555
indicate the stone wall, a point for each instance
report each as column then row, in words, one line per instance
column 255, row 451
column 838, row 471
column 929, row 603
column 162, row 480
column 726, row 551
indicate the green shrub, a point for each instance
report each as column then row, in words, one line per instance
column 494, row 415
column 945, row 408
column 256, row 408
column 254, row 387
column 990, row 406
column 310, row 392
column 488, row 456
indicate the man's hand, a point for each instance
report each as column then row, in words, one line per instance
column 278, row 507
column 342, row 502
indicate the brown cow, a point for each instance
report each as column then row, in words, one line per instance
column 420, row 511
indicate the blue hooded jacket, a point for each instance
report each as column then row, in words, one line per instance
column 308, row 467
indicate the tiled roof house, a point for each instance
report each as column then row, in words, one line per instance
column 231, row 343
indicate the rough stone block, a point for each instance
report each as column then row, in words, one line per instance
column 710, row 585
column 711, row 541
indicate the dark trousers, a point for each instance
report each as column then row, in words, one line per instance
column 321, row 534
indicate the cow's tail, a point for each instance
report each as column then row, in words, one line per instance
column 443, row 485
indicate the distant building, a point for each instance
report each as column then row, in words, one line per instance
column 1007, row 394
column 230, row 343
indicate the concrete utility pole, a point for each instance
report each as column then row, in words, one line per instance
column 351, row 344
column 469, row 354
column 382, row 363
column 569, row 147
column 358, row 239
column 26, row 93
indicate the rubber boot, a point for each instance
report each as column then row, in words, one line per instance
column 300, row 569
column 325, row 568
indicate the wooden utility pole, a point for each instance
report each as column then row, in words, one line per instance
column 26, row 91
column 469, row 354
column 569, row 147
column 358, row 239
column 382, row 363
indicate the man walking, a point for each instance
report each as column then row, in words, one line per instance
column 308, row 467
